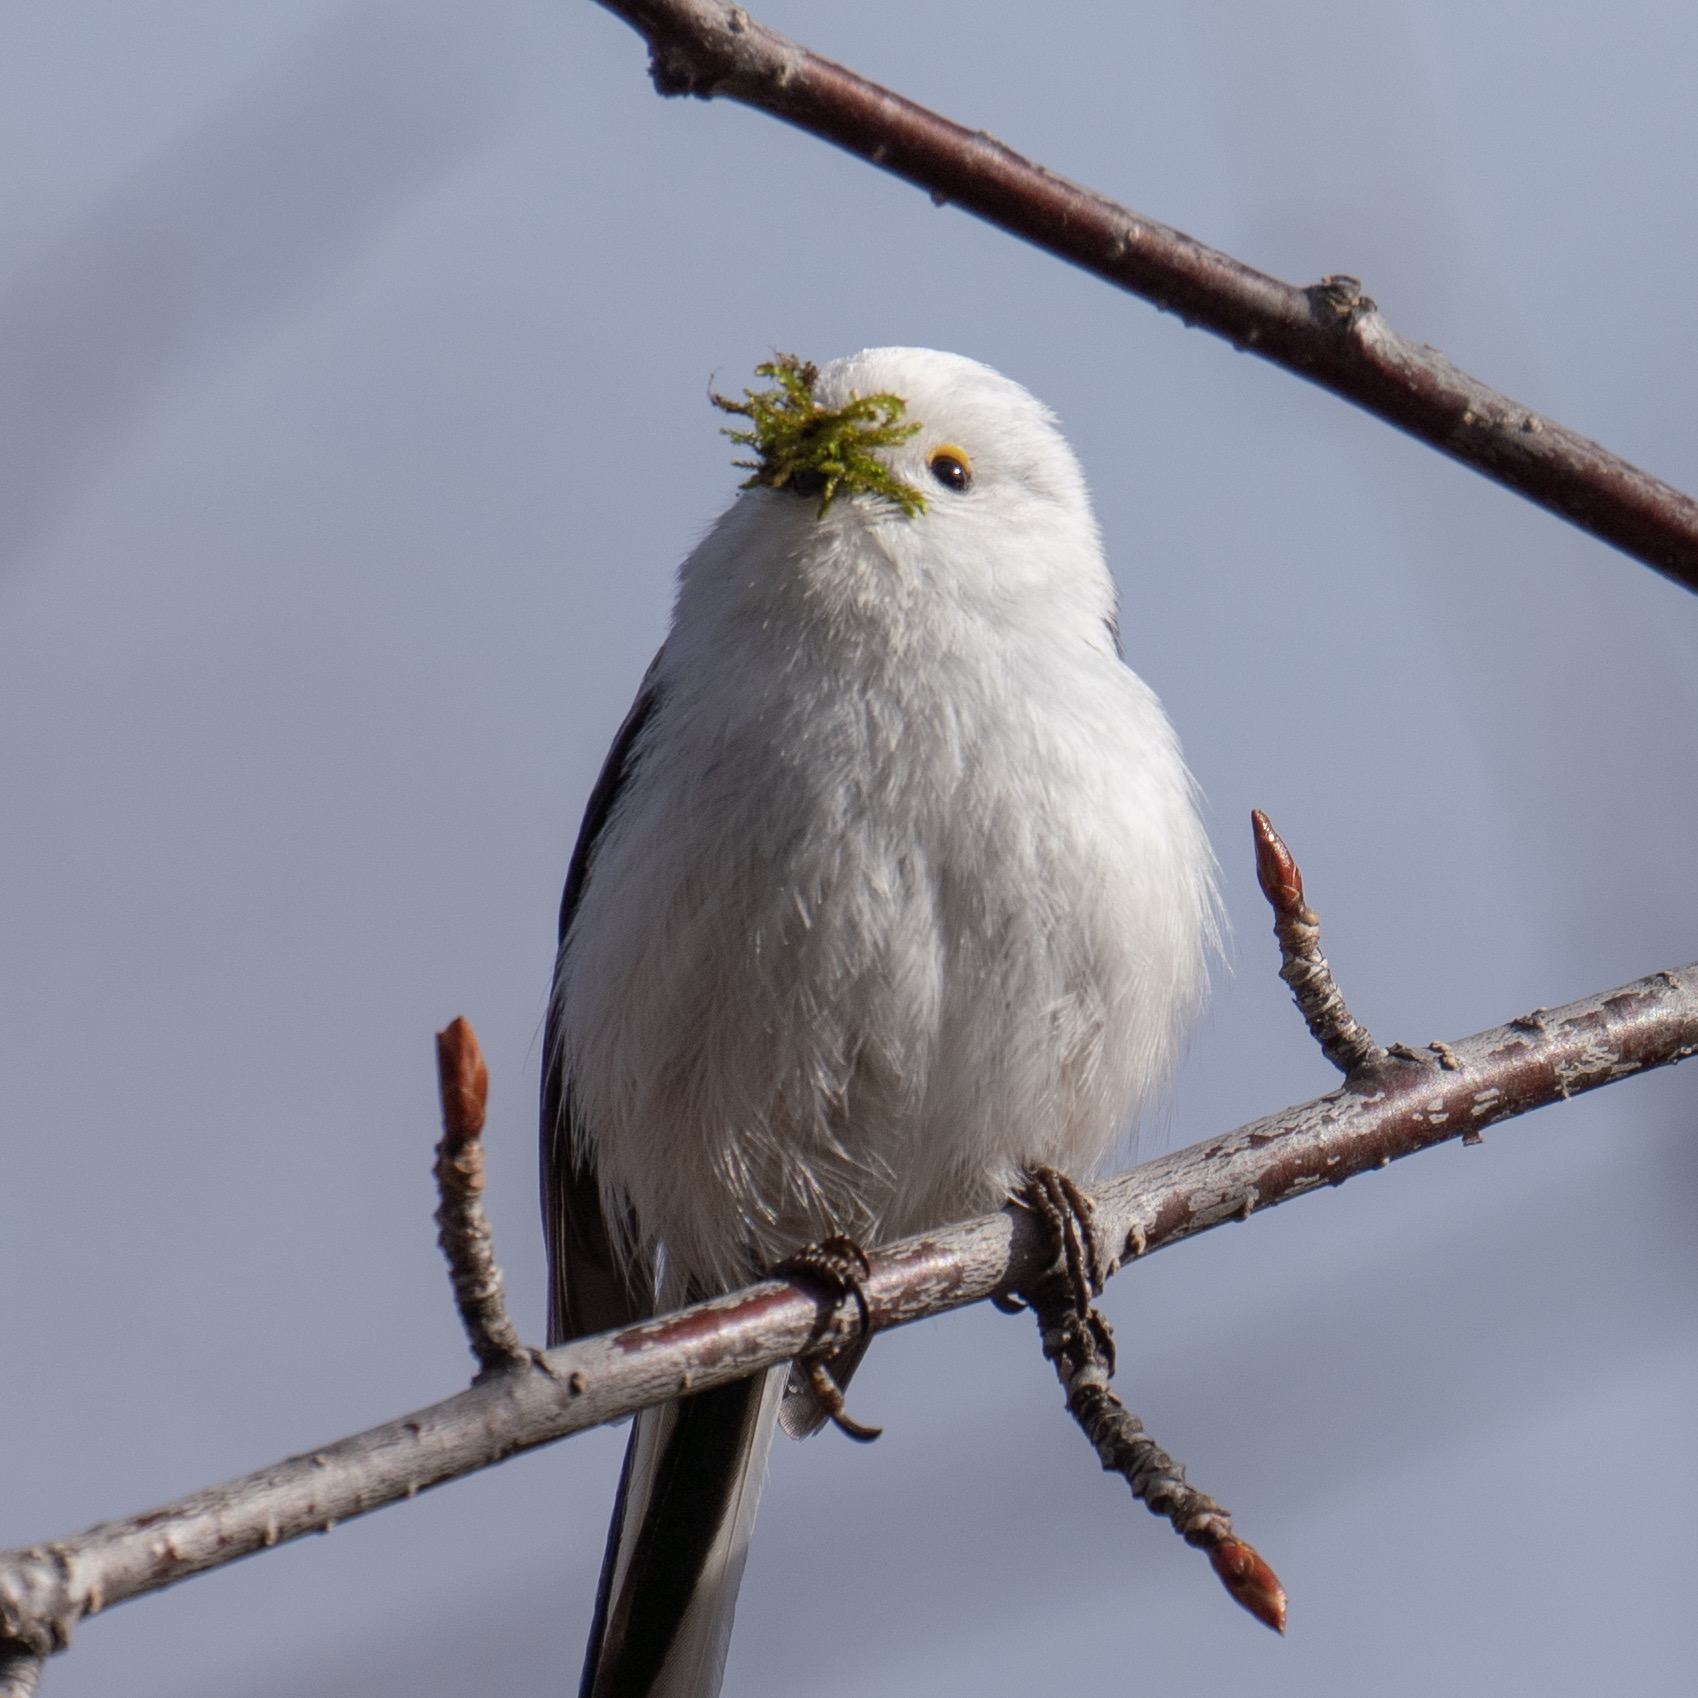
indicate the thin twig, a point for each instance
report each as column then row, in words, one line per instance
column 1394, row 1110
column 1079, row 1344
column 1348, row 1045
column 461, row 1225
column 1329, row 332
column 1075, row 1344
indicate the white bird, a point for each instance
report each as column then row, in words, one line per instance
column 892, row 887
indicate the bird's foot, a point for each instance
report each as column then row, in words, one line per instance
column 839, row 1265
column 1065, row 1213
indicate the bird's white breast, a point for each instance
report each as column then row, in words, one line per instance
column 907, row 891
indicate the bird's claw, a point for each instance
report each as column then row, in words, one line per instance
column 825, row 1388
column 840, row 1266
column 1065, row 1213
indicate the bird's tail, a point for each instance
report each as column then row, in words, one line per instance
column 680, row 1535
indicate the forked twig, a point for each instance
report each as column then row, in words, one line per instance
column 46, row 1589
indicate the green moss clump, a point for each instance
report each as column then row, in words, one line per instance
column 811, row 449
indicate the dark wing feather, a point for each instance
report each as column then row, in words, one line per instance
column 591, row 1288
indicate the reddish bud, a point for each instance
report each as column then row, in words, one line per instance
column 1276, row 870
column 1244, row 1574
column 464, row 1081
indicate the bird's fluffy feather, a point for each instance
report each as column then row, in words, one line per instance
column 894, row 886
column 909, row 889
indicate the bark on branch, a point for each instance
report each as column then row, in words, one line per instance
column 1407, row 1102
column 1329, row 332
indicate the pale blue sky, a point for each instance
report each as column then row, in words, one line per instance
column 353, row 371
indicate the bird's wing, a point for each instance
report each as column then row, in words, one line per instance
column 693, row 1469
column 592, row 1286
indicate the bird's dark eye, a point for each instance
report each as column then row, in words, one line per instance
column 950, row 466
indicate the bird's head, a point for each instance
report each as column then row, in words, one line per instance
column 901, row 428
column 903, row 473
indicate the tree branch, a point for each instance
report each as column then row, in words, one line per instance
column 1404, row 1104
column 1329, row 332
